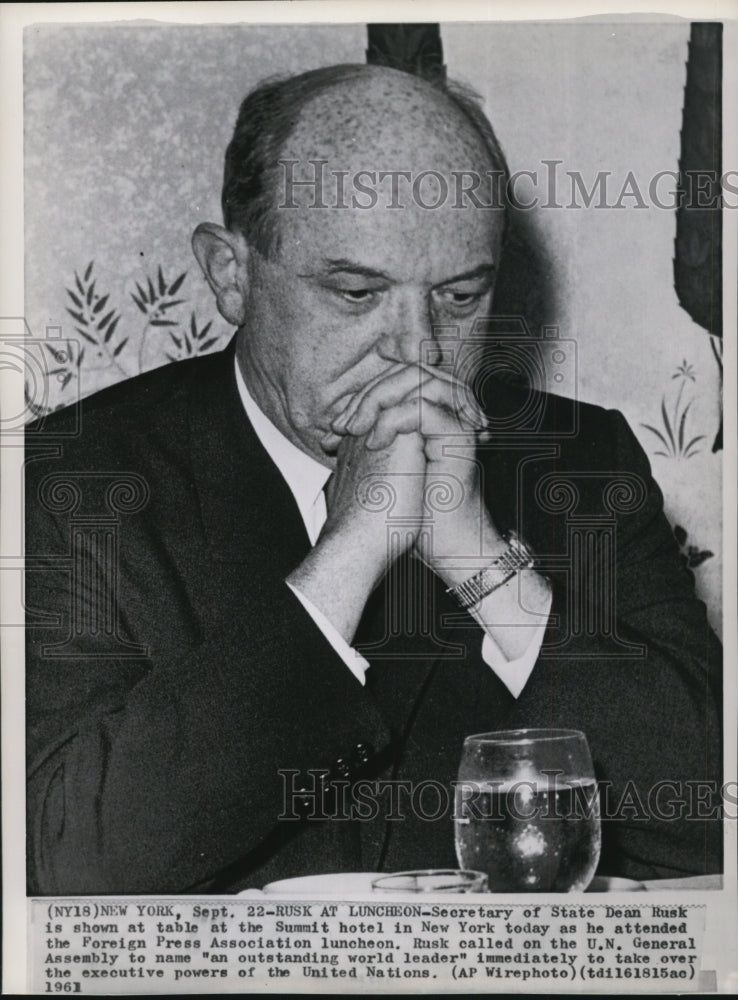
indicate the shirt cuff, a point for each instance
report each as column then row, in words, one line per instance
column 514, row 674
column 353, row 660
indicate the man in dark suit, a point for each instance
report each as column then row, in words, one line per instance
column 315, row 586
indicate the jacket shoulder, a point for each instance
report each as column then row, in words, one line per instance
column 155, row 400
column 519, row 415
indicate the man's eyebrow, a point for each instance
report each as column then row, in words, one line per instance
column 343, row 265
column 483, row 271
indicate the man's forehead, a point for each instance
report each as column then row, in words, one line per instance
column 408, row 243
column 385, row 121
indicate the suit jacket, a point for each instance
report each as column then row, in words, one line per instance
column 189, row 727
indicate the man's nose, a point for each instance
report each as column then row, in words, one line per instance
column 410, row 334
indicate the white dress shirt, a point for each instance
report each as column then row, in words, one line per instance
column 306, row 479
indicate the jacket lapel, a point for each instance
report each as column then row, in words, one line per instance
column 248, row 512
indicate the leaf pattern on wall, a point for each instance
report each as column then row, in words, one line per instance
column 673, row 437
column 94, row 322
column 107, row 338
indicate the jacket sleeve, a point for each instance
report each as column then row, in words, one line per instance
column 631, row 660
column 152, row 776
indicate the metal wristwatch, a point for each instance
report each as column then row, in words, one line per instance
column 477, row 587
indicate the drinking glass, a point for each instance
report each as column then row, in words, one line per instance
column 527, row 810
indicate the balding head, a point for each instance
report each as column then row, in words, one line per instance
column 295, row 137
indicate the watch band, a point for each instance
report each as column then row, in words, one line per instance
column 482, row 584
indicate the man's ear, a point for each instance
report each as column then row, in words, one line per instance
column 223, row 257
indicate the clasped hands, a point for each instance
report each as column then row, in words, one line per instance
column 412, row 427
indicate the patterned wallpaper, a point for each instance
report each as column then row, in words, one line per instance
column 125, row 133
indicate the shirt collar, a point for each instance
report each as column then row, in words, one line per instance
column 305, row 476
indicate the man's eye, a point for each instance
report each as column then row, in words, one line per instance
column 356, row 294
column 459, row 300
